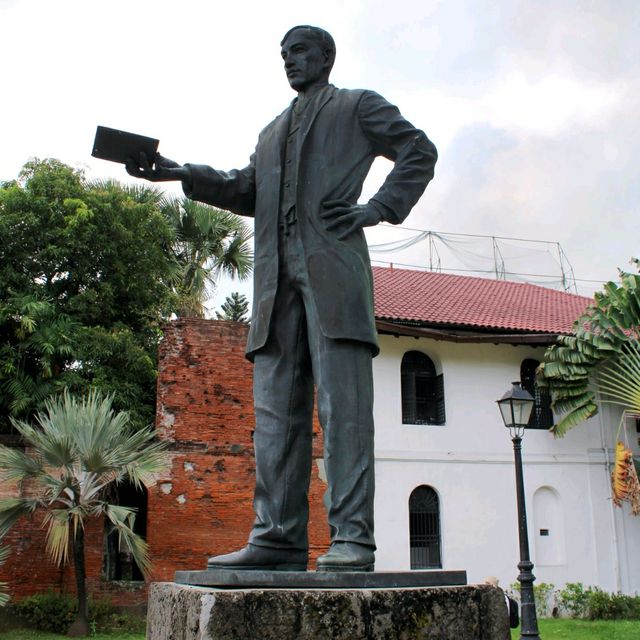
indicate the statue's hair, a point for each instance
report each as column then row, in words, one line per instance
column 323, row 37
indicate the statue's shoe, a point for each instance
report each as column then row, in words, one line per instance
column 253, row 558
column 347, row 556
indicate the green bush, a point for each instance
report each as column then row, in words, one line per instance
column 595, row 604
column 55, row 612
column 574, row 599
column 48, row 611
column 613, row 606
column 542, row 593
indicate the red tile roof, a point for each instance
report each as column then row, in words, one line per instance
column 429, row 298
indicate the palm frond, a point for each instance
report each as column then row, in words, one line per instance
column 574, row 418
column 122, row 519
column 15, row 465
column 4, row 596
column 58, row 541
column 12, row 509
column 620, row 380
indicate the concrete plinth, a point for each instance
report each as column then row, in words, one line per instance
column 185, row 612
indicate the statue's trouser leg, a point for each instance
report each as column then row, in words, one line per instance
column 344, row 383
column 283, row 402
column 295, row 354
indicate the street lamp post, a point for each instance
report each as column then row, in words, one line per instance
column 515, row 407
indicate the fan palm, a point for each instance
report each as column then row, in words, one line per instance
column 78, row 449
column 208, row 242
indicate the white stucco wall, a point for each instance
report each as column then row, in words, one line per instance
column 469, row 462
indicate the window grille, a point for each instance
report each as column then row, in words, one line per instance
column 424, row 529
column 422, row 390
column 541, row 414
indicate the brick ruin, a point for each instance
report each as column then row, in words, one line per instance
column 202, row 504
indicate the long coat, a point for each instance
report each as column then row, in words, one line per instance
column 338, row 141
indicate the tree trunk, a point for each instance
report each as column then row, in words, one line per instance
column 81, row 625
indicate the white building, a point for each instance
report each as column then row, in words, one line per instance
column 443, row 454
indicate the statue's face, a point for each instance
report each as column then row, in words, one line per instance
column 305, row 62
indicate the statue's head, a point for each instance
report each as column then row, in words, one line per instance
column 308, row 53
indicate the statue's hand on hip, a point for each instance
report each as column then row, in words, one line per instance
column 162, row 169
column 345, row 218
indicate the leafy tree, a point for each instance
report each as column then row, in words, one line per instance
column 207, row 243
column 78, row 450
column 35, row 342
column 89, row 272
column 85, row 276
column 234, row 308
column 604, row 338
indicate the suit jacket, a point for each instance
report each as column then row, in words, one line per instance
column 338, row 142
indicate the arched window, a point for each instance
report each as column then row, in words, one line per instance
column 422, row 390
column 118, row 563
column 424, row 528
column 541, row 415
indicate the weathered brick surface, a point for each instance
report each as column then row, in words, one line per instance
column 202, row 505
column 205, row 406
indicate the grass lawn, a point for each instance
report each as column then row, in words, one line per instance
column 563, row 629
column 549, row 630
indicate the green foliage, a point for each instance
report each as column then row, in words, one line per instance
column 48, row 611
column 601, row 335
column 79, row 448
column 207, row 243
column 55, row 612
column 4, row 596
column 84, row 289
column 542, row 593
column 613, row 606
column 89, row 272
column 234, row 308
column 77, row 451
column 574, row 598
column 564, row 629
column 578, row 601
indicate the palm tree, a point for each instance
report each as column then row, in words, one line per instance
column 601, row 336
column 208, row 242
column 79, row 448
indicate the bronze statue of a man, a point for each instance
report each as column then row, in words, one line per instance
column 312, row 320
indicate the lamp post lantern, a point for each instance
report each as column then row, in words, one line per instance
column 515, row 407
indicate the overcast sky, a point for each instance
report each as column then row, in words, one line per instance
column 533, row 104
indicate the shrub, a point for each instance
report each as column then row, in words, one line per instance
column 55, row 612
column 613, row 606
column 574, row 599
column 48, row 611
column 542, row 593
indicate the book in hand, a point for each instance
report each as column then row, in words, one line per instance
column 119, row 146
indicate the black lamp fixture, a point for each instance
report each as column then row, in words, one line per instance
column 515, row 407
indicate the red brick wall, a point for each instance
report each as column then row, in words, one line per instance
column 203, row 504
column 28, row 570
column 205, row 406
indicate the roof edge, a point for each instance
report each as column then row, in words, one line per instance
column 449, row 335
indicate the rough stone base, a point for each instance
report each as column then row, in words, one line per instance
column 183, row 612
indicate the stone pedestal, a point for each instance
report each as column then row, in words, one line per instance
column 187, row 612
